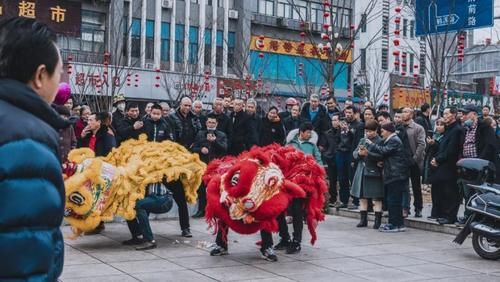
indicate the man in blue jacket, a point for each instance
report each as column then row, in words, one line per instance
column 31, row 184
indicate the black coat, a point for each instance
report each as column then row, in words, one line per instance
column 271, row 132
column 425, row 122
column 104, row 142
column 292, row 123
column 31, row 186
column 449, row 152
column 126, row 130
column 321, row 121
column 117, row 119
column 216, row 149
column 395, row 164
column 189, row 127
column 244, row 135
column 158, row 131
column 223, row 123
column 485, row 142
column 330, row 144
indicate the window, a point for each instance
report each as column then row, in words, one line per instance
column 150, row 41
column 385, row 25
column 231, row 40
column 218, row 55
column 363, row 22
column 284, row 9
column 136, row 38
column 404, row 64
column 165, row 42
column 363, row 59
column 422, row 64
column 208, row 46
column 193, row 45
column 412, row 29
column 92, row 34
column 266, row 7
column 179, row 43
column 405, row 27
column 385, row 58
column 299, row 10
column 317, row 13
column 412, row 62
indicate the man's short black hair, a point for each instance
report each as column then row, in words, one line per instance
column 101, row 116
column 26, row 44
column 212, row 116
column 398, row 111
column 131, row 105
column 354, row 109
column 487, row 106
column 156, row 106
column 331, row 98
column 386, row 115
column 453, row 110
column 425, row 107
column 305, row 126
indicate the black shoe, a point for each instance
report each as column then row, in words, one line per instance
column 199, row 214
column 133, row 241
column 432, row 217
column 378, row 220
column 268, row 254
column 147, row 245
column 340, row 205
column 218, row 251
column 418, row 213
column 443, row 221
column 363, row 221
column 186, row 233
column 282, row 245
column 293, row 248
column 352, row 207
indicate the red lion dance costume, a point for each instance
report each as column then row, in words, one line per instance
column 248, row 192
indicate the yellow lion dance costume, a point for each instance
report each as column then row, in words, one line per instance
column 102, row 187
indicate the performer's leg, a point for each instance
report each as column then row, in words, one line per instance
column 267, row 243
column 283, row 233
column 220, row 240
column 298, row 219
column 180, row 200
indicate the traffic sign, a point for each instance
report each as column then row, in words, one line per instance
column 439, row 16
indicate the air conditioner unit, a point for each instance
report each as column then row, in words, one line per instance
column 167, row 4
column 233, row 14
column 283, row 22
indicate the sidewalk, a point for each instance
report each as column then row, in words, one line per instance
column 342, row 253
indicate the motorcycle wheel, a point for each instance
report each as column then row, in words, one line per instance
column 485, row 248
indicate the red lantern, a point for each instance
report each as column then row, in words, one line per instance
column 353, row 26
column 326, row 14
column 157, row 77
column 403, row 65
column 397, row 9
column 300, row 73
column 461, row 37
column 325, row 36
column 396, row 63
column 415, row 66
column 302, row 34
column 395, row 53
column 403, row 55
column 157, row 85
column 326, row 26
column 397, row 32
column 396, row 42
column 302, row 24
column 157, row 70
column 302, row 43
column 397, row 20
column 70, row 57
column 415, row 75
column 326, row 4
column 403, row 73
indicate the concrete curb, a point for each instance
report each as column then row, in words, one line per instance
column 417, row 223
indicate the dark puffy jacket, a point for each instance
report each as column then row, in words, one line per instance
column 395, row 164
column 292, row 123
column 126, row 130
column 216, row 149
column 321, row 121
column 244, row 134
column 31, row 186
column 271, row 132
column 104, row 142
column 158, row 131
column 189, row 127
column 330, row 144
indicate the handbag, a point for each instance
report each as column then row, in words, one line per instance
column 371, row 172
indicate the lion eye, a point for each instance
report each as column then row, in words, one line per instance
column 76, row 198
column 235, row 178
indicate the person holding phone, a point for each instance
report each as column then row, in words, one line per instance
column 131, row 126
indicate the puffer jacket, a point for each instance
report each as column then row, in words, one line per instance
column 31, row 186
column 395, row 163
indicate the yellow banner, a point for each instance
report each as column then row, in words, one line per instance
column 294, row 48
column 409, row 97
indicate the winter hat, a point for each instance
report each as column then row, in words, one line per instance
column 63, row 94
column 389, row 127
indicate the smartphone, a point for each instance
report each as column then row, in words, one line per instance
column 430, row 132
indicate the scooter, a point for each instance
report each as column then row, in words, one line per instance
column 484, row 207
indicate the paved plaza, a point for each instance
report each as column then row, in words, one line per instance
column 342, row 253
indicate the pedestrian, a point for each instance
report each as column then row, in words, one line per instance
column 243, row 135
column 67, row 138
column 156, row 127
column 416, row 141
column 131, row 126
column 424, row 119
column 294, row 120
column 210, row 144
column 31, row 243
column 486, row 111
column 445, row 169
column 256, row 119
column 272, row 129
column 395, row 171
column 147, row 110
column 289, row 103
column 367, row 183
column 81, row 123
column 119, row 106
column 429, row 171
column 303, row 142
column 314, row 112
column 223, row 121
column 330, row 144
column 96, row 136
column 331, row 106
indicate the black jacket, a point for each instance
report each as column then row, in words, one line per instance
column 158, row 131
column 292, row 123
column 104, row 142
column 223, row 123
column 189, row 127
column 403, row 136
column 321, row 121
column 117, row 119
column 425, row 122
column 395, row 164
column 349, row 140
column 449, row 152
column 330, row 144
column 244, row 135
column 126, row 130
column 271, row 132
column 216, row 149
column 31, row 186
column 485, row 142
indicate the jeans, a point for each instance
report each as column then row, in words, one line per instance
column 332, row 180
column 150, row 204
column 394, row 201
column 343, row 160
column 297, row 212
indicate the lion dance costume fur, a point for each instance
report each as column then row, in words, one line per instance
column 103, row 187
column 248, row 192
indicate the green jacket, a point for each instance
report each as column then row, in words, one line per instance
column 308, row 147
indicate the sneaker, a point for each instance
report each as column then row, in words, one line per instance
column 388, row 228
column 133, row 241
column 340, row 205
column 147, row 245
column 218, row 251
column 268, row 254
column 282, row 245
column 293, row 248
column 186, row 233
